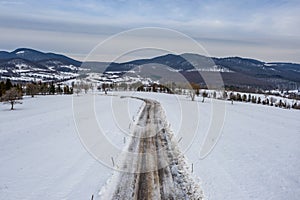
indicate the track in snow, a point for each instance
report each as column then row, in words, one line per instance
column 152, row 167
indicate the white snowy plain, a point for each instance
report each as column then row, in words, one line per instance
column 41, row 156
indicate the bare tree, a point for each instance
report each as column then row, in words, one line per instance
column 123, row 86
column 12, row 97
column 214, row 94
column 204, row 95
column 225, row 95
column 77, row 89
column 192, row 95
column 85, row 87
column 194, row 90
column 31, row 89
column 272, row 100
column 92, row 86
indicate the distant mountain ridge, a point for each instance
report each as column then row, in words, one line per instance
column 25, row 64
column 189, row 61
column 234, row 70
column 36, row 56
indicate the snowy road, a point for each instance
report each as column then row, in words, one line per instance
column 153, row 167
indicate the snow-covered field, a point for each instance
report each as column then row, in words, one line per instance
column 41, row 156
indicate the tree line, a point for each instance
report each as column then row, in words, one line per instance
column 269, row 101
column 13, row 93
column 193, row 89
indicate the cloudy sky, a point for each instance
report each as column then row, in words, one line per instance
column 264, row 29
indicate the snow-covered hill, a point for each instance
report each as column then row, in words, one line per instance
column 41, row 156
column 25, row 65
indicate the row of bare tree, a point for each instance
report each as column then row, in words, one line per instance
column 13, row 93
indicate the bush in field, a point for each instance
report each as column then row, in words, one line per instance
column 244, row 98
column 259, row 100
column 253, row 100
column 232, row 96
column 204, row 95
column 238, row 97
column 296, row 105
column 249, row 98
column 266, row 102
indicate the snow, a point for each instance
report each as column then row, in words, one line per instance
column 72, row 67
column 24, row 72
column 3, row 71
column 214, row 68
column 20, row 52
column 256, row 157
column 22, row 66
column 21, row 70
column 41, row 156
column 28, row 79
